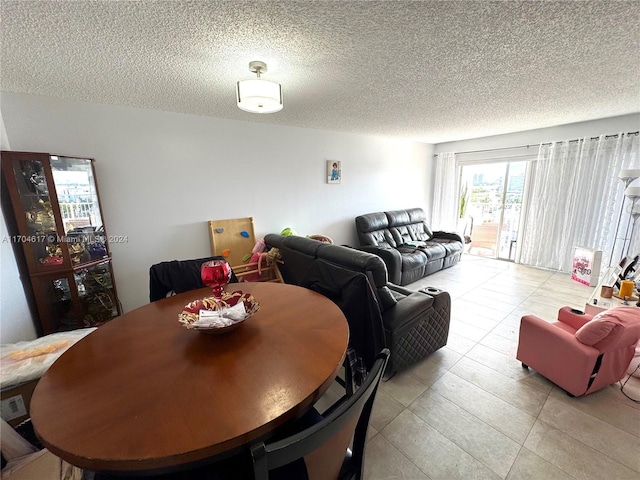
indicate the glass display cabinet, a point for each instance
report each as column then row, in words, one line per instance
column 58, row 225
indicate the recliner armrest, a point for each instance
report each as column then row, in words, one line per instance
column 573, row 319
column 399, row 289
column 448, row 235
column 406, row 310
column 391, row 258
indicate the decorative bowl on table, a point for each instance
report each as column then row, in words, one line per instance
column 190, row 315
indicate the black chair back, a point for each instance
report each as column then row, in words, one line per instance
column 324, row 446
column 177, row 276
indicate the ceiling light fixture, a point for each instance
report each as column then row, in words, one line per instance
column 259, row 96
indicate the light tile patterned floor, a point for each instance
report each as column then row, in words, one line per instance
column 470, row 411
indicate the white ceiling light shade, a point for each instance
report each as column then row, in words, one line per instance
column 259, row 96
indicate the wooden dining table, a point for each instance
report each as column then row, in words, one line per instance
column 145, row 394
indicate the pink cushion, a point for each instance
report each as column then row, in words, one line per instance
column 596, row 329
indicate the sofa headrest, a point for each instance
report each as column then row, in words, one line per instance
column 371, row 222
column 274, row 240
column 304, row 245
column 356, row 260
column 398, row 218
column 416, row 215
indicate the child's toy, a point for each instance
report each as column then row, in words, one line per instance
column 256, row 257
column 259, row 257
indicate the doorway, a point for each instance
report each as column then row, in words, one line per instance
column 491, row 201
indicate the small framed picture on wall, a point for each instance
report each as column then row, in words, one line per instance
column 334, row 171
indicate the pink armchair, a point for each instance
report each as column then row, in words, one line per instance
column 580, row 353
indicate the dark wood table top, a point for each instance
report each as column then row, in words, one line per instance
column 143, row 393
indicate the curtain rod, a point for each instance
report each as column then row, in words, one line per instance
column 538, row 144
column 628, row 134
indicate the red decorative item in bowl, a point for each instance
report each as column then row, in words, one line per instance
column 191, row 312
column 215, row 274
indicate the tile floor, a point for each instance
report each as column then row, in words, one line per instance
column 470, row 411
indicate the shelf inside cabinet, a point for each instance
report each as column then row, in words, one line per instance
column 77, row 267
column 94, row 284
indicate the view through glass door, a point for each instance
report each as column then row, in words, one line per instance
column 493, row 205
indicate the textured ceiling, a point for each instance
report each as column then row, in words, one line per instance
column 431, row 71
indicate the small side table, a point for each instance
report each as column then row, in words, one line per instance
column 601, row 304
column 605, row 303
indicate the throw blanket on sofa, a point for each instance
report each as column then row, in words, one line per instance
column 347, row 289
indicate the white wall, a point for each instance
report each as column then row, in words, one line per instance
column 162, row 176
column 15, row 317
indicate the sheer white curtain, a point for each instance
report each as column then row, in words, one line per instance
column 575, row 199
column 445, row 212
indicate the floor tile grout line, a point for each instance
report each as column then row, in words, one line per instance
column 576, row 438
column 426, row 474
column 506, row 376
column 617, row 400
column 587, row 446
column 495, row 396
column 400, row 451
column 448, row 439
column 477, row 418
column 543, row 459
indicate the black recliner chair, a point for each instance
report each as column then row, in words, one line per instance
column 411, row 324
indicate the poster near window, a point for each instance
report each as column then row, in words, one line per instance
column 586, row 266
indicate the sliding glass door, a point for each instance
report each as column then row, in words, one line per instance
column 491, row 203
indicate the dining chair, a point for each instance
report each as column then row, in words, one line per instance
column 321, row 451
column 177, row 276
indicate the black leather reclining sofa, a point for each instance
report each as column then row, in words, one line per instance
column 406, row 244
column 411, row 324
